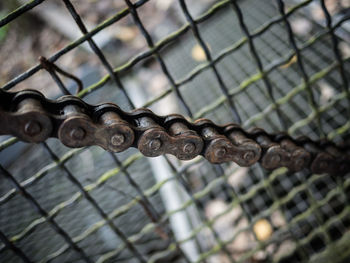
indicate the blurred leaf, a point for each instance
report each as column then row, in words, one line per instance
column 127, row 33
column 263, row 229
column 198, row 53
column 290, row 62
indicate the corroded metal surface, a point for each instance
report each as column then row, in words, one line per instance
column 31, row 117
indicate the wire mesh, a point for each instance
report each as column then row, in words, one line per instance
column 87, row 205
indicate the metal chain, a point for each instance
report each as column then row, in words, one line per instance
column 31, row 117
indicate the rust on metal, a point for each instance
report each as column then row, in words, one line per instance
column 31, row 117
column 274, row 155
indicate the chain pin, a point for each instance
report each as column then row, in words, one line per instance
column 155, row 144
column 299, row 164
column 77, row 133
column 248, row 156
column 118, row 139
column 157, row 135
column 275, row 159
column 324, row 165
column 220, row 152
column 32, row 128
column 189, row 147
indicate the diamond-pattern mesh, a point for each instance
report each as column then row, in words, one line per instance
column 88, row 205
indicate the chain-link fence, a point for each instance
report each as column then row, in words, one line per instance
column 279, row 65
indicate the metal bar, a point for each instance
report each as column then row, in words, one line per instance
column 289, row 224
column 242, row 205
column 235, row 196
column 34, row 179
column 270, row 189
column 87, row 196
column 317, row 214
column 335, row 45
column 151, row 191
column 74, row 199
column 30, row 72
column 293, row 43
column 272, row 66
column 315, row 66
column 291, row 94
column 162, row 43
column 19, row 11
column 158, row 57
column 52, row 68
column 18, row 252
column 258, row 106
column 249, row 40
column 191, row 219
column 201, row 208
column 275, row 198
column 149, row 207
column 97, row 50
column 92, row 201
column 44, row 214
column 146, row 202
column 58, row 81
column 258, row 62
column 345, row 88
column 205, row 48
column 133, row 183
column 235, row 47
column 301, row 112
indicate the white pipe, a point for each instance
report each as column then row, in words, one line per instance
column 173, row 198
column 172, row 194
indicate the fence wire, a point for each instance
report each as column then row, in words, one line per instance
column 87, row 205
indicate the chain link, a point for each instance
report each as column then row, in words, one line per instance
column 31, row 117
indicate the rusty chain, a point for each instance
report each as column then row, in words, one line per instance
column 31, row 117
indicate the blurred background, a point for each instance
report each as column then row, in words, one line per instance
column 128, row 208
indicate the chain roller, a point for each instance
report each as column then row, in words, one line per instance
column 31, row 117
